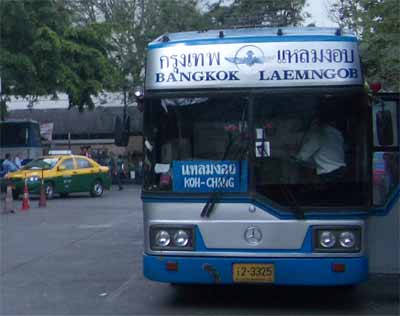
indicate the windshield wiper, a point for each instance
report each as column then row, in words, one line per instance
column 215, row 196
column 293, row 203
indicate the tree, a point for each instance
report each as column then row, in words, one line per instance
column 377, row 24
column 43, row 53
column 262, row 12
column 134, row 24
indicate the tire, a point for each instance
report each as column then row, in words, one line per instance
column 97, row 189
column 49, row 190
column 64, row 195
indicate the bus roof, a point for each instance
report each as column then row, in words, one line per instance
column 221, row 34
column 19, row 121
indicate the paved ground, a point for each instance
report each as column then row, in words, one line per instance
column 82, row 256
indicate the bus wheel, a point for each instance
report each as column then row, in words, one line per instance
column 64, row 194
column 49, row 190
column 97, row 189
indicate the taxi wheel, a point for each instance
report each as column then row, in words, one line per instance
column 49, row 189
column 97, row 189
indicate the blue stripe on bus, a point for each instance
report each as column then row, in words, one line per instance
column 265, row 207
column 255, row 39
column 393, row 199
column 320, row 214
column 288, row 271
column 305, row 248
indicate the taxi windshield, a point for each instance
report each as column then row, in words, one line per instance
column 42, row 163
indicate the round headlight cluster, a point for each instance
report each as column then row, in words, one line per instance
column 172, row 238
column 347, row 239
column 163, row 239
column 327, row 239
column 338, row 239
column 181, row 238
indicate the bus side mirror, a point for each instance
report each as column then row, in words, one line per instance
column 384, row 127
column 384, row 117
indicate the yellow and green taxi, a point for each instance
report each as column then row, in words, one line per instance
column 62, row 174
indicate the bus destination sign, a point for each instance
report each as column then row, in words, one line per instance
column 209, row 176
column 240, row 65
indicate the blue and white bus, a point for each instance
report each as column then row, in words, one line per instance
column 20, row 137
column 226, row 195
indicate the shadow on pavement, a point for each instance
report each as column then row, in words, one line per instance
column 379, row 294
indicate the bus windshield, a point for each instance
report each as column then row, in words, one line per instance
column 20, row 134
column 272, row 134
column 315, row 149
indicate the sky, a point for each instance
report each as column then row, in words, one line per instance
column 318, row 10
column 319, row 13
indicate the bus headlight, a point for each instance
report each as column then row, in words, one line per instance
column 181, row 238
column 327, row 239
column 162, row 238
column 172, row 238
column 347, row 239
column 337, row 239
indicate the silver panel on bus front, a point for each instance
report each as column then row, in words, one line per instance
column 223, row 232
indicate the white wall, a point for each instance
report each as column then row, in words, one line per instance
column 384, row 242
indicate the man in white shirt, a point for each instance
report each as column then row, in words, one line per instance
column 17, row 161
column 323, row 146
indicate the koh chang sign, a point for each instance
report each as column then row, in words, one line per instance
column 209, row 176
column 273, row 64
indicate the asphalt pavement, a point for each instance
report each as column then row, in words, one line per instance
column 82, row 256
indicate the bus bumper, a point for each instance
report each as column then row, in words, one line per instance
column 288, row 271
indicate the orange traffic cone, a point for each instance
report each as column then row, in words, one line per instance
column 25, row 201
column 42, row 200
column 8, row 202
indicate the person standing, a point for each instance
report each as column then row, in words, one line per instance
column 114, row 165
column 8, row 165
column 85, row 151
column 17, row 161
column 120, row 167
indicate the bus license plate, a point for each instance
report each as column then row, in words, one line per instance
column 253, row 272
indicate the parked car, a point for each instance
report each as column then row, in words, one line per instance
column 62, row 174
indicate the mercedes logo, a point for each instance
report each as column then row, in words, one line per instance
column 252, row 235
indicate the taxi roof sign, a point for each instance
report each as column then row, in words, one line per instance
column 60, row 152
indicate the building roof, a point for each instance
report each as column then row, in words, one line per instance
column 107, row 99
column 98, row 121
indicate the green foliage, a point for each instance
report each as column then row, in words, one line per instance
column 259, row 12
column 42, row 52
column 83, row 46
column 136, row 22
column 377, row 23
